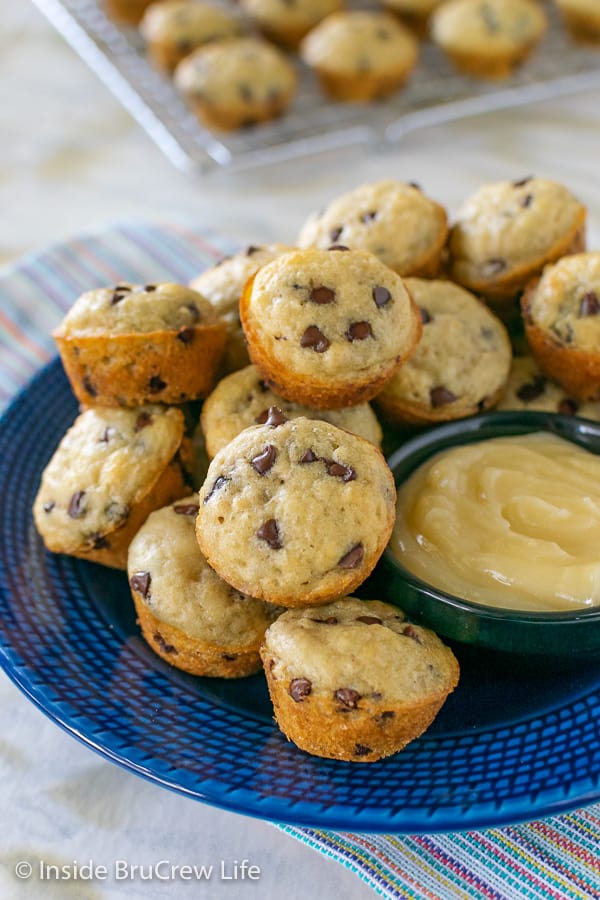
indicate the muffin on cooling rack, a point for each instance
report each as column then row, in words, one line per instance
column 360, row 55
column 582, row 18
column 488, row 38
column 112, row 468
column 236, row 83
column 132, row 344
column 173, row 29
column 286, row 23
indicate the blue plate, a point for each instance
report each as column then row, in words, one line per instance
column 512, row 743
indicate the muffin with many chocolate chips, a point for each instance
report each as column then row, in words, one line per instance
column 507, row 231
column 328, row 328
column 527, row 388
column 287, row 22
column 111, row 469
column 188, row 615
column 243, row 399
column 562, row 324
column 133, row 344
column 173, row 29
column 360, row 55
column 393, row 220
column 223, row 284
column 236, row 83
column 354, row 680
column 296, row 512
column 461, row 363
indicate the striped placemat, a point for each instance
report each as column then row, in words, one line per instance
column 557, row 858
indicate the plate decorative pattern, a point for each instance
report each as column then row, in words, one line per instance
column 512, row 743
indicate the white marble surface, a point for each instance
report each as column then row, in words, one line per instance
column 71, row 159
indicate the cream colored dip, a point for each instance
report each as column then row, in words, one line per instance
column 509, row 522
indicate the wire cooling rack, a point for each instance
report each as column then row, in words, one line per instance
column 435, row 94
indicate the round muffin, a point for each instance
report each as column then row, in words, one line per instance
column 296, row 512
column 223, row 284
column 286, row 23
column 111, row 469
column 236, row 83
column 133, row 344
column 243, row 399
column 562, row 324
column 488, row 38
column 414, row 13
column 354, row 680
column 507, row 231
column 360, row 55
column 128, row 12
column 461, row 363
column 582, row 18
column 527, row 388
column 173, row 29
column 188, row 615
column 328, row 328
column 395, row 221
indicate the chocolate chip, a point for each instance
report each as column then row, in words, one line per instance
column 415, row 185
column 77, row 508
column 149, row 288
column 425, row 317
column 589, row 306
column 409, row 632
column 143, row 420
column 335, row 233
column 251, row 250
column 330, row 620
column 439, row 396
column 369, row 216
column 381, row 296
column 106, row 435
column 338, row 470
column 314, row 339
column 186, row 509
column 269, row 532
column 526, row 201
column 385, row 716
column 338, row 247
column 264, row 462
column 309, row 456
column 156, row 384
column 299, row 689
column 193, row 311
column 162, row 644
column 120, row 291
column 322, row 295
column 99, row 541
column 532, row 390
column 369, row 620
column 140, row 582
column 493, row 267
column 353, row 558
column 275, row 417
column 218, row 483
column 359, row 331
column 361, row 750
column 568, row 407
column 186, row 334
column 262, row 417
column 49, row 506
column 89, row 387
column 263, row 386
column 347, row 697
column 522, row 181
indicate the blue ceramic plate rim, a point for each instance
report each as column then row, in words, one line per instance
column 348, row 787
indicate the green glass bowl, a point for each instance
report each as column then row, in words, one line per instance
column 567, row 633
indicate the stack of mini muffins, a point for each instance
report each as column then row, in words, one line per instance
column 233, row 64
column 379, row 301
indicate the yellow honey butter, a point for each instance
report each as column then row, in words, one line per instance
column 510, row 522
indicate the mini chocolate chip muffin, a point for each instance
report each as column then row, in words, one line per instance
column 354, row 680
column 236, row 83
column 460, row 366
column 360, row 55
column 111, row 469
column 133, row 344
column 328, row 328
column 488, row 38
column 223, row 284
column 127, row 12
column 395, row 221
column 507, row 231
column 582, row 18
column 287, row 22
column 188, row 615
column 296, row 512
column 562, row 324
column 173, row 29
column 243, row 399
column 527, row 388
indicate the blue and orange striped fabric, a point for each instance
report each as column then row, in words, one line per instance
column 554, row 859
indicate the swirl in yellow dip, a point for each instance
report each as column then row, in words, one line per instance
column 510, row 522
